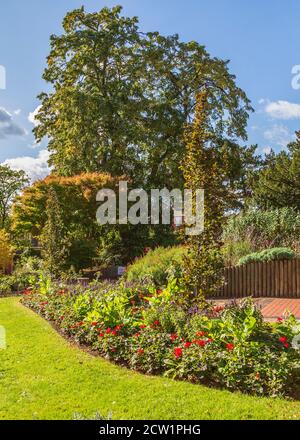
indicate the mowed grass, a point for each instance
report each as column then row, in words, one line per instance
column 43, row 377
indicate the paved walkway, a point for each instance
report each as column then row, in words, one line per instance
column 272, row 308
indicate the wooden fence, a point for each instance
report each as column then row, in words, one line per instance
column 269, row 279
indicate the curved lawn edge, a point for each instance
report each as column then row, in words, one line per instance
column 43, row 376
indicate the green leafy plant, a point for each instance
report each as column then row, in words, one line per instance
column 268, row 255
column 146, row 329
column 156, row 265
column 256, row 229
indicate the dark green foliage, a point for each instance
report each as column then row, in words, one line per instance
column 11, row 182
column 279, row 180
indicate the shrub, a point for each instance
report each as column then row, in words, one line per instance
column 6, row 284
column 146, row 330
column 156, row 265
column 256, row 230
column 6, row 251
column 268, row 255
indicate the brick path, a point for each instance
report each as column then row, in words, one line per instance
column 272, row 308
column 277, row 307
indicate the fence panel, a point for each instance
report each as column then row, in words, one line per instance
column 267, row 279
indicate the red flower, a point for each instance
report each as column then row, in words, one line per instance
column 177, row 352
column 173, row 336
column 108, row 330
column 156, row 322
column 118, row 327
column 282, row 339
column 137, row 335
column 101, row 335
column 286, row 345
column 80, row 323
column 230, row 346
column 210, row 340
column 143, row 326
column 187, row 344
column 199, row 342
column 94, row 323
column 140, row 351
column 279, row 319
column 113, row 332
column 202, row 333
column 158, row 291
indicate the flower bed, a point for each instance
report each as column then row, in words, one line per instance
column 148, row 331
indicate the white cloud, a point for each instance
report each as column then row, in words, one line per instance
column 17, row 111
column 31, row 117
column 283, row 110
column 278, row 135
column 8, row 127
column 267, row 150
column 35, row 167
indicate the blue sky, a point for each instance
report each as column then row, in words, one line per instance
column 258, row 37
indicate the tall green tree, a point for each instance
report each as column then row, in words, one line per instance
column 11, row 182
column 278, row 183
column 55, row 246
column 120, row 98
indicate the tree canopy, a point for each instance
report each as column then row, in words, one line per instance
column 11, row 182
column 120, row 98
column 278, row 184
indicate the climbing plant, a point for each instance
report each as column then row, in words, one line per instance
column 204, row 167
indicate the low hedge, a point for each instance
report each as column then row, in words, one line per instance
column 279, row 253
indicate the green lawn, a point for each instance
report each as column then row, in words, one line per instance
column 43, row 377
